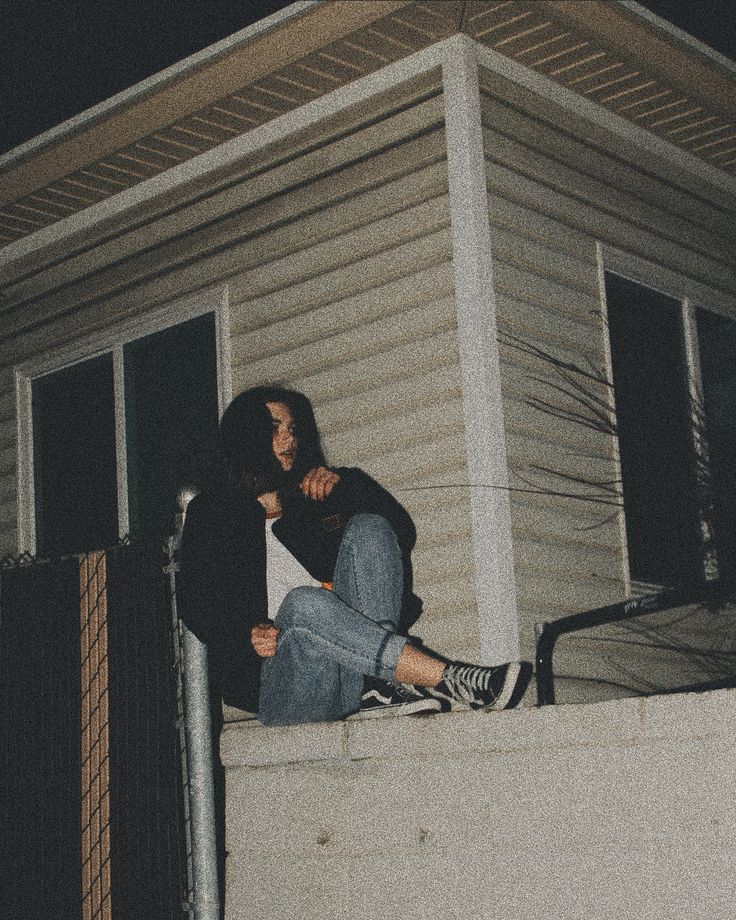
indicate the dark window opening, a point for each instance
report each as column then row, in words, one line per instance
column 170, row 383
column 171, row 418
column 654, row 423
column 717, row 341
column 75, row 478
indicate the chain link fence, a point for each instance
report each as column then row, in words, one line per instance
column 94, row 823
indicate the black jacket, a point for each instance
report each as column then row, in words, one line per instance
column 221, row 588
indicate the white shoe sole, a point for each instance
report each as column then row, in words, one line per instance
column 418, row 707
column 509, row 685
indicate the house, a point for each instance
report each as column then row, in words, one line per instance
column 409, row 210
column 492, row 241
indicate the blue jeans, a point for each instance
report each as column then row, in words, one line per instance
column 330, row 639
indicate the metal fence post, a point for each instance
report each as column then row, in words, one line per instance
column 199, row 755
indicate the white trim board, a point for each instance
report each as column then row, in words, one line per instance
column 602, row 268
column 480, row 364
column 444, row 52
column 121, row 440
column 682, row 37
column 609, row 121
column 231, row 152
column 214, row 300
column 120, row 333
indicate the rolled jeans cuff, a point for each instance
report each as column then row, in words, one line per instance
column 389, row 654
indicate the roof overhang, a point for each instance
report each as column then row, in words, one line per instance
column 611, row 53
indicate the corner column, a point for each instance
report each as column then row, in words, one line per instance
column 479, row 356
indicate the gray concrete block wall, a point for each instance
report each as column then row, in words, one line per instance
column 611, row 810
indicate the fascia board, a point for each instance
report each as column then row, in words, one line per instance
column 229, row 153
column 578, row 105
column 237, row 149
column 187, row 90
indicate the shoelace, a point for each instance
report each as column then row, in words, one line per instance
column 465, row 682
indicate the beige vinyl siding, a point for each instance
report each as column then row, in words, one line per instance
column 556, row 188
column 193, row 247
column 335, row 248
column 370, row 335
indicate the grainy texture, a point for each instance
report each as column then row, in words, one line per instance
column 336, row 251
column 618, row 809
column 557, row 188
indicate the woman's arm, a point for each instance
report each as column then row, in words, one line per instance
column 356, row 491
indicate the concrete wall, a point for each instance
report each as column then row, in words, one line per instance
column 611, row 810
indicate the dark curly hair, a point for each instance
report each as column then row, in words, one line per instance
column 245, row 441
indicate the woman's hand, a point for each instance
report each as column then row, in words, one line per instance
column 318, row 483
column 263, row 638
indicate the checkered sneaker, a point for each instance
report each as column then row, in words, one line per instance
column 468, row 686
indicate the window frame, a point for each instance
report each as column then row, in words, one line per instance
column 690, row 294
column 111, row 340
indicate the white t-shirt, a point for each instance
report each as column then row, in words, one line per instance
column 283, row 572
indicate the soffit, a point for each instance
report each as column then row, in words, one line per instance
column 595, row 48
column 604, row 53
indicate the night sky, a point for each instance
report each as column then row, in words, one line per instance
column 60, row 57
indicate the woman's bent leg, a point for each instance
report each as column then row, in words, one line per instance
column 299, row 684
column 330, row 639
column 369, row 574
column 324, row 649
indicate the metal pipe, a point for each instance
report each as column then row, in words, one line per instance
column 178, row 641
column 199, row 755
column 201, row 779
column 712, row 592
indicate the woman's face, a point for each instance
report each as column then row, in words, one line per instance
column 284, row 440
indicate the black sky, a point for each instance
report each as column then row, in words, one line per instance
column 60, row 57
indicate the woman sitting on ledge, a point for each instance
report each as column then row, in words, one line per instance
column 297, row 577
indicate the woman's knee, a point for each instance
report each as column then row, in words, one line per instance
column 364, row 526
column 298, row 607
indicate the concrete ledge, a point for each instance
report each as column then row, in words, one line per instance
column 593, row 726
